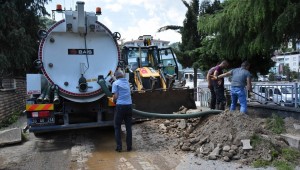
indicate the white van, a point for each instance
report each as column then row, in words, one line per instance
column 282, row 95
column 189, row 79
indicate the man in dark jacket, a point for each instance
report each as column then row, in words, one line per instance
column 217, row 86
column 241, row 78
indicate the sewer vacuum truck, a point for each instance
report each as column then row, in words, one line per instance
column 77, row 58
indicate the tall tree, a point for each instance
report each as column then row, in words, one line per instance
column 189, row 49
column 19, row 23
column 189, row 34
column 208, row 54
column 252, row 29
column 190, row 38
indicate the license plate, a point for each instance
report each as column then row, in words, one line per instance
column 49, row 120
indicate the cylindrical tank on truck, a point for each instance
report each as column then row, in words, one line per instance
column 75, row 55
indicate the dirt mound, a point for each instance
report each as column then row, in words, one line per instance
column 227, row 136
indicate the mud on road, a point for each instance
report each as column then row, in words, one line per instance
column 157, row 144
column 86, row 149
column 91, row 149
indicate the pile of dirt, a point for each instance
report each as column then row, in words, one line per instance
column 220, row 136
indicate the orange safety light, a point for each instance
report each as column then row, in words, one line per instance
column 98, row 11
column 58, row 7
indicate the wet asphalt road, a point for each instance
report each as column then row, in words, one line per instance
column 94, row 149
column 88, row 149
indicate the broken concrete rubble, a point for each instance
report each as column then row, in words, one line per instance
column 227, row 131
column 246, row 144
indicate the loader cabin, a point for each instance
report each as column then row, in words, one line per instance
column 150, row 56
column 140, row 56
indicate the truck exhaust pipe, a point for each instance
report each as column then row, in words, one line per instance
column 47, row 95
column 42, row 96
column 56, row 96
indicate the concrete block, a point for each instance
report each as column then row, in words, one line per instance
column 296, row 126
column 10, row 136
column 246, row 144
column 293, row 140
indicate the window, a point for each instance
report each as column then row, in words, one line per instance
column 280, row 60
column 191, row 77
column 200, row 76
column 262, row 89
column 287, row 90
column 186, row 76
column 270, row 92
column 168, row 62
column 276, row 91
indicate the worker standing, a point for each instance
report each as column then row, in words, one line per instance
column 241, row 77
column 122, row 96
column 211, row 88
column 217, row 86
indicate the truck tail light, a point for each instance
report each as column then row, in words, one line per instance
column 41, row 114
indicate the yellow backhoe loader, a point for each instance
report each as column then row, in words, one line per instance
column 154, row 80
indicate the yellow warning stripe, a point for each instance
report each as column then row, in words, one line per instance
column 37, row 107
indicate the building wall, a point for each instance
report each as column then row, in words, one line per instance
column 12, row 97
column 292, row 60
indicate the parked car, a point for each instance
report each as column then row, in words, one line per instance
column 263, row 78
column 189, row 79
column 283, row 95
column 278, row 78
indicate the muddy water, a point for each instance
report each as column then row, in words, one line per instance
column 148, row 153
column 104, row 156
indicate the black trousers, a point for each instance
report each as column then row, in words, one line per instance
column 123, row 113
column 220, row 96
column 212, row 98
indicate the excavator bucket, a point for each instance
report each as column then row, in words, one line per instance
column 164, row 101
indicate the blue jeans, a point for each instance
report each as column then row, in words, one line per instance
column 238, row 93
column 123, row 112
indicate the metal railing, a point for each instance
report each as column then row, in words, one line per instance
column 202, row 96
column 287, row 94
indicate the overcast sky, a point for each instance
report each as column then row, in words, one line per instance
column 133, row 18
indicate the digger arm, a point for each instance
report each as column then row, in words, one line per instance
column 138, row 80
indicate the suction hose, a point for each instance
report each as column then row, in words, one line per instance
column 103, row 86
column 174, row 116
column 102, row 83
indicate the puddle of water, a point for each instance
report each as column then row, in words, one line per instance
column 105, row 157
